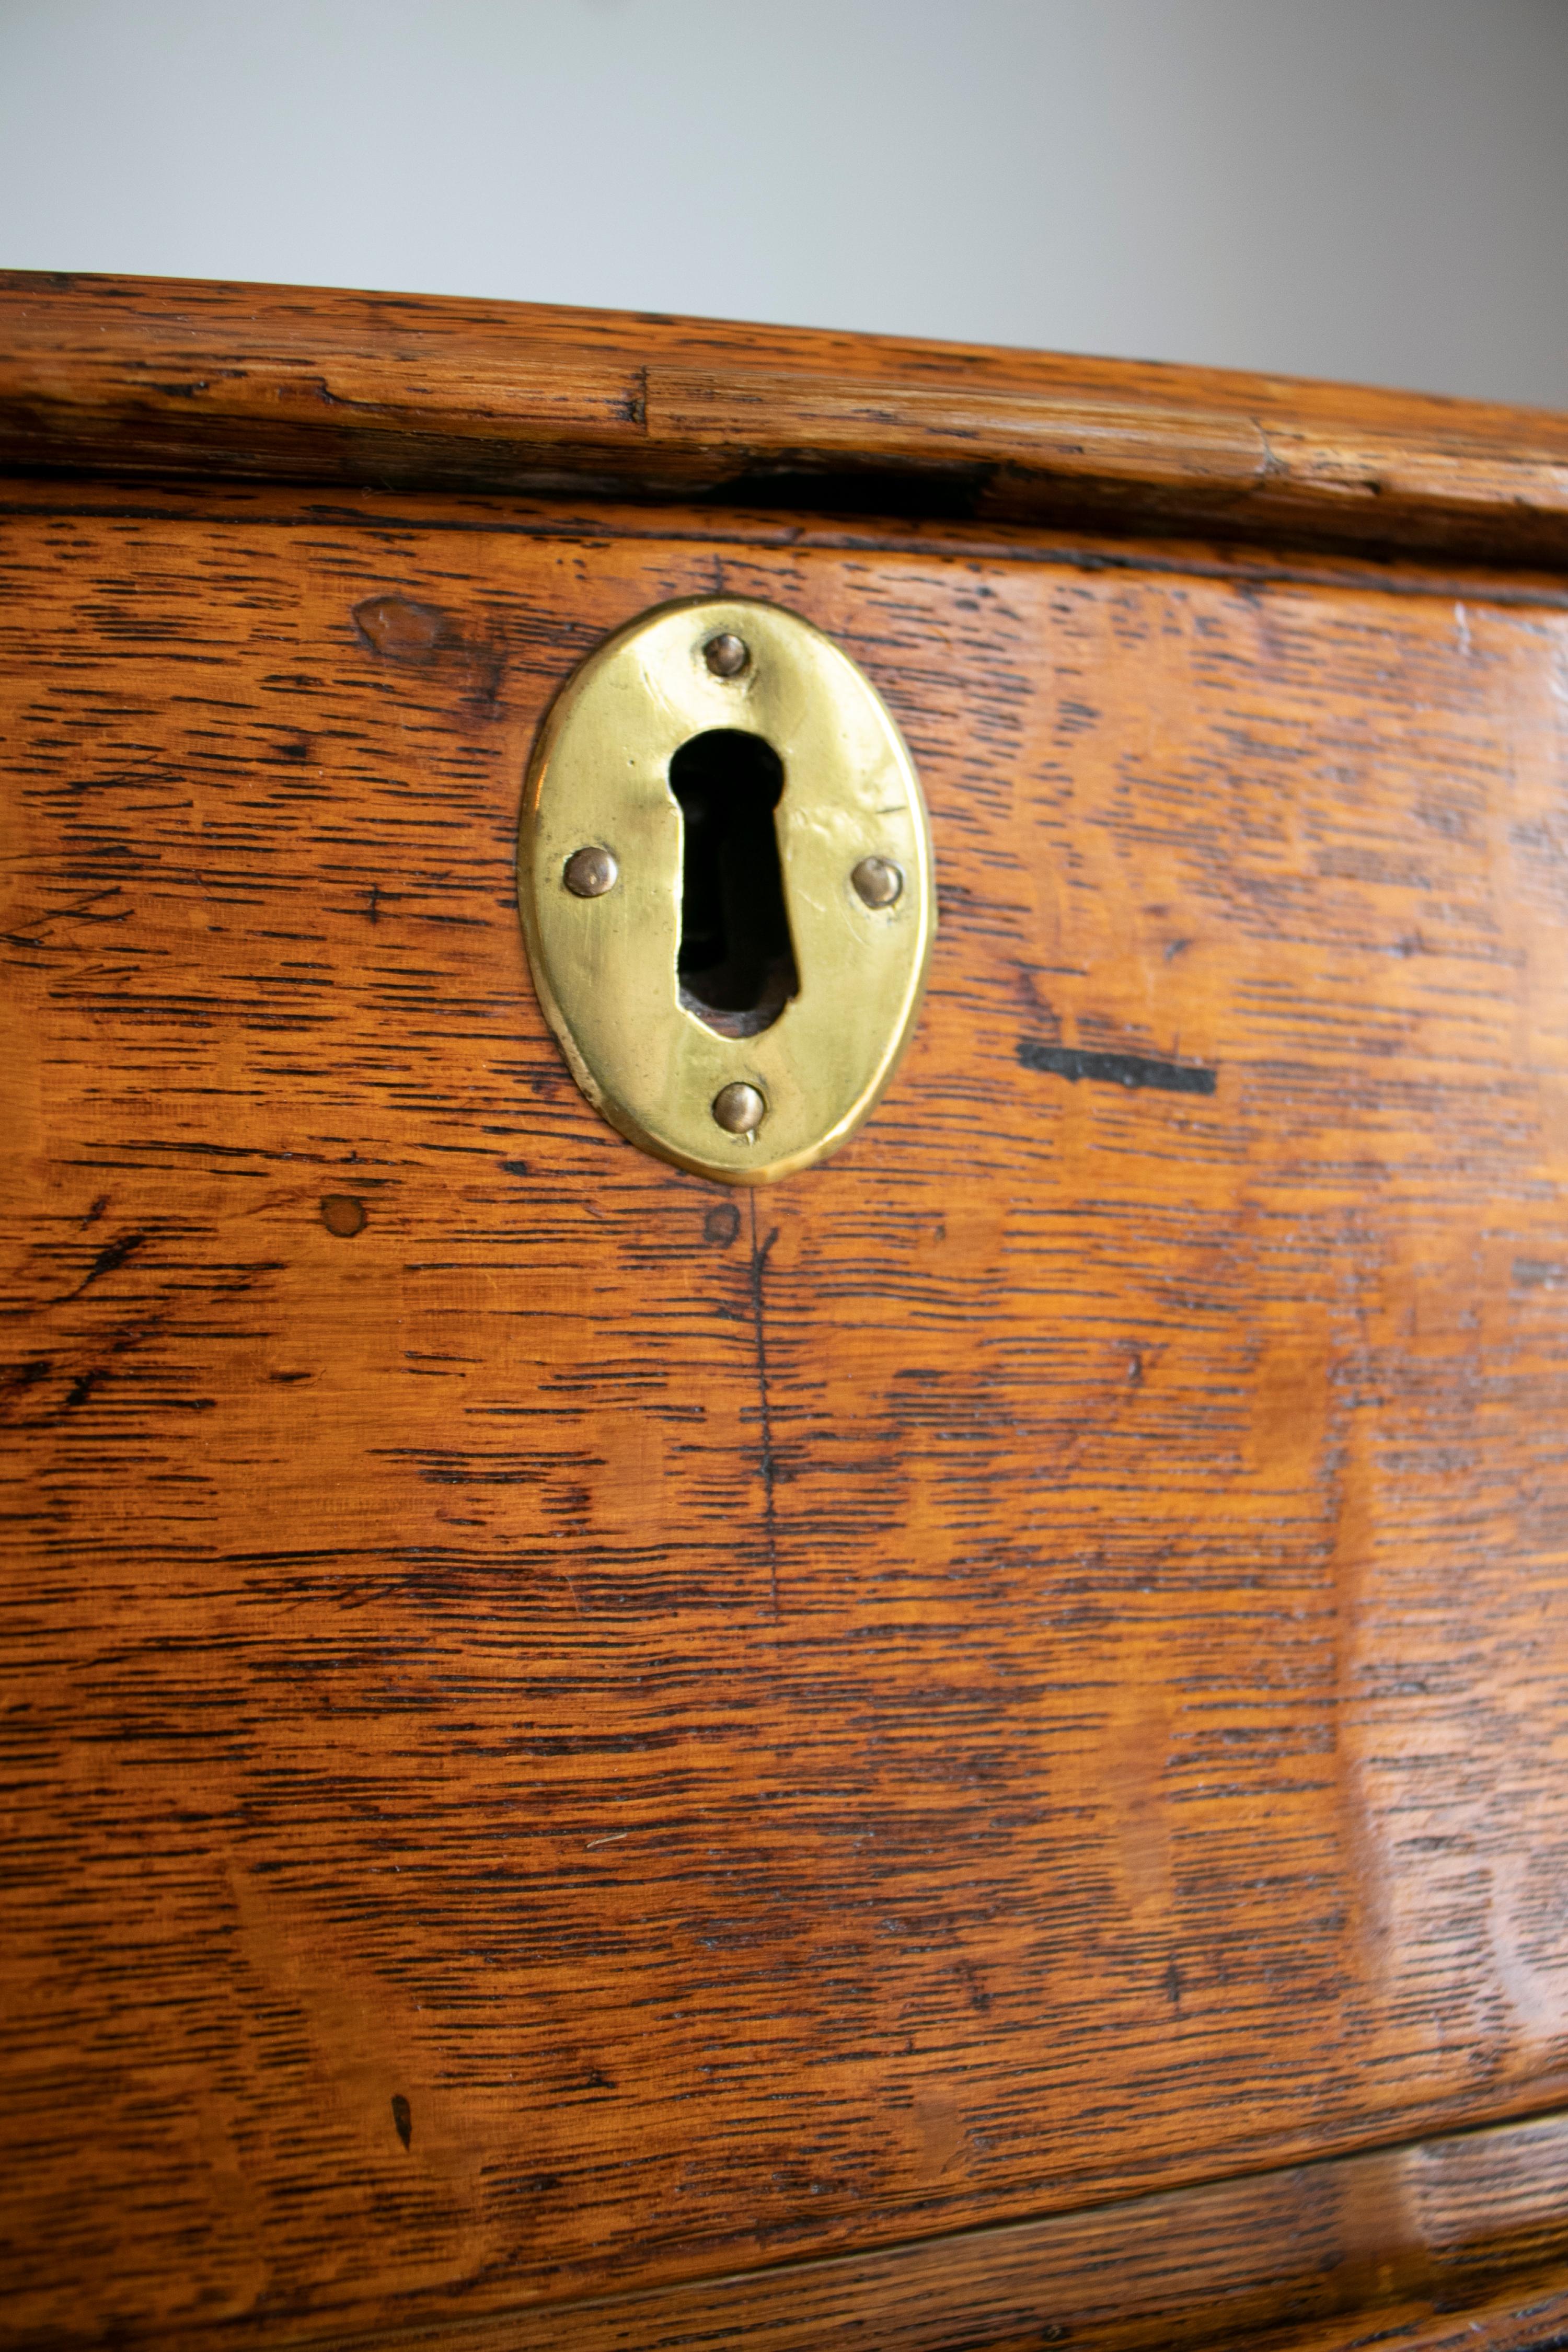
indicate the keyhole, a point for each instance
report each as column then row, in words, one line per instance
column 735, row 965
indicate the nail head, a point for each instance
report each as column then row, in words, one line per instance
column 590, row 873
column 877, row 881
column 726, row 655
column 739, row 1109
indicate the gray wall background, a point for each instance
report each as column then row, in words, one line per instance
column 1373, row 189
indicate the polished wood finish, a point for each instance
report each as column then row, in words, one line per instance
column 1461, row 2243
column 977, row 1737
column 139, row 376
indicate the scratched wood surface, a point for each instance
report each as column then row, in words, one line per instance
column 568, row 1731
column 134, row 376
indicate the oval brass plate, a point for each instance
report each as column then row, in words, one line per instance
column 743, row 1091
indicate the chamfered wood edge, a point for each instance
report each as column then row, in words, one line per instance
column 144, row 376
column 1431, row 2244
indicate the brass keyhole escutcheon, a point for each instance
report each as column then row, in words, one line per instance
column 724, row 873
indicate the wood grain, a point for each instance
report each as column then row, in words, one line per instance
column 130, row 376
column 1454, row 2243
column 579, row 1732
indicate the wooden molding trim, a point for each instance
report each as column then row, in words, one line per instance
column 1440, row 2245
column 144, row 376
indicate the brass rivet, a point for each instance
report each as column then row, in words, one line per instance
column 590, row 873
column 739, row 1108
column 877, row 881
column 726, row 655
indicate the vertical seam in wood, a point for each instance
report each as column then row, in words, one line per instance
column 770, row 1523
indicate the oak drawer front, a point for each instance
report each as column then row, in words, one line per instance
column 574, row 1728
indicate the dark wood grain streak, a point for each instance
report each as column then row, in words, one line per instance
column 132, row 376
column 716, row 529
column 558, row 1742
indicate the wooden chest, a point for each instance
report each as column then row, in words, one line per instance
column 967, row 1750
